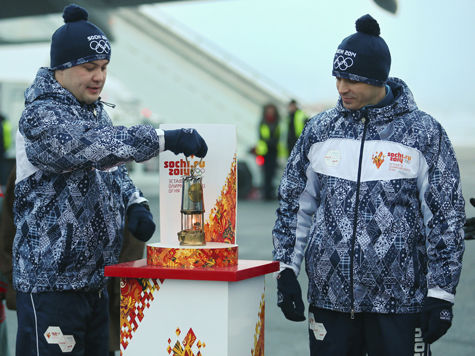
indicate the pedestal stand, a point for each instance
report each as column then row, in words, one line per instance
column 192, row 311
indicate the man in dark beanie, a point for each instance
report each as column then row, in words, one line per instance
column 371, row 196
column 73, row 193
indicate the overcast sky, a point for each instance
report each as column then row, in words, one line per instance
column 292, row 42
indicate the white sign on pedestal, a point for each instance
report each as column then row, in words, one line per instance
column 219, row 173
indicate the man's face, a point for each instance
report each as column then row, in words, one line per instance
column 85, row 81
column 355, row 95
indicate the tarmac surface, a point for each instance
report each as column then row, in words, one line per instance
column 282, row 337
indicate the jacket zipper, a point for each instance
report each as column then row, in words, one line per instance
column 355, row 220
column 94, row 107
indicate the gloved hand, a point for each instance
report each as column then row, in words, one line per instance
column 289, row 295
column 140, row 222
column 436, row 318
column 187, row 141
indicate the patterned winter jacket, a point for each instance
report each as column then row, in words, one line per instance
column 372, row 198
column 72, row 189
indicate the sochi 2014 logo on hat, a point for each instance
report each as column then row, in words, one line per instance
column 343, row 59
column 99, row 44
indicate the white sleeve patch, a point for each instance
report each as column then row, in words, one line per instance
column 161, row 139
column 135, row 198
column 439, row 293
column 24, row 168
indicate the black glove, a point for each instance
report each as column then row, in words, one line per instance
column 140, row 221
column 187, row 141
column 289, row 295
column 436, row 318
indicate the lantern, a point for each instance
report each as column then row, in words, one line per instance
column 192, row 211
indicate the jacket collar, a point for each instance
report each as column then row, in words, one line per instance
column 403, row 102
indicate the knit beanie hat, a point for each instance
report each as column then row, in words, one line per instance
column 77, row 41
column 363, row 56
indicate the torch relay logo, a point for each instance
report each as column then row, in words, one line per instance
column 378, row 159
column 397, row 158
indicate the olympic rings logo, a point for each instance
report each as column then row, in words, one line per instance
column 197, row 171
column 100, row 46
column 342, row 63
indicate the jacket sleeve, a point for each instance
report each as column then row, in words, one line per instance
column 297, row 197
column 58, row 141
column 443, row 209
column 131, row 194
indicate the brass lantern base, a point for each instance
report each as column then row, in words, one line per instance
column 191, row 238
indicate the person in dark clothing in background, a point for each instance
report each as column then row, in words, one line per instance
column 5, row 135
column 295, row 122
column 268, row 146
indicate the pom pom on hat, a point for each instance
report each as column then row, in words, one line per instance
column 74, row 13
column 363, row 56
column 77, row 41
column 367, row 24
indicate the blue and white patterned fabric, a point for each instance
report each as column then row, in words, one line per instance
column 381, row 228
column 72, row 189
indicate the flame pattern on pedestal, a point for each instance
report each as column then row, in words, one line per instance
column 192, row 257
column 136, row 296
column 221, row 223
column 258, row 349
column 188, row 345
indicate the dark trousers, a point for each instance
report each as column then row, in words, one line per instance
column 54, row 322
column 336, row 334
column 270, row 166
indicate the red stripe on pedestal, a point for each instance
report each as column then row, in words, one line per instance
column 245, row 269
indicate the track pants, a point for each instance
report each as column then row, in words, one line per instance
column 336, row 334
column 57, row 322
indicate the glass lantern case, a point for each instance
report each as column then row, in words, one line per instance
column 192, row 212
